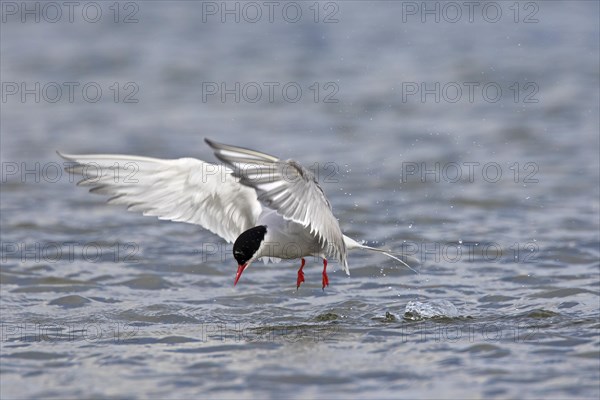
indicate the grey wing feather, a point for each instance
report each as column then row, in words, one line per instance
column 288, row 188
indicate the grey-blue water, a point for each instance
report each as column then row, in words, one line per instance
column 470, row 142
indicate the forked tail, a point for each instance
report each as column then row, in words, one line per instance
column 353, row 244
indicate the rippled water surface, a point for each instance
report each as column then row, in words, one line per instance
column 497, row 194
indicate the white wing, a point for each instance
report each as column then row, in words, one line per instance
column 186, row 190
column 288, row 188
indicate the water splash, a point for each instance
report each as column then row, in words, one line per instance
column 415, row 310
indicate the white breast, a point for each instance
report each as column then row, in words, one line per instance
column 286, row 239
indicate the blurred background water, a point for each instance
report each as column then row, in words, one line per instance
column 467, row 137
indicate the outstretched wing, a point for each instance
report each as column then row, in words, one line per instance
column 186, row 190
column 288, row 188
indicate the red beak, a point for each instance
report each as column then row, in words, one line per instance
column 241, row 269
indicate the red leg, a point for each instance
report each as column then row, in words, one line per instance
column 300, row 275
column 325, row 278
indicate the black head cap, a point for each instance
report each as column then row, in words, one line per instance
column 247, row 244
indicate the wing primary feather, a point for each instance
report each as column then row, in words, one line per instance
column 243, row 150
column 186, row 189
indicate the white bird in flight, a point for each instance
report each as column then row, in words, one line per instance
column 270, row 208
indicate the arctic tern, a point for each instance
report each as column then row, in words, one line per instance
column 269, row 208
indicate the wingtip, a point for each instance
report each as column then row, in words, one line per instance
column 63, row 156
column 224, row 160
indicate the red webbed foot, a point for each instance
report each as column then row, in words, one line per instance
column 300, row 275
column 325, row 278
